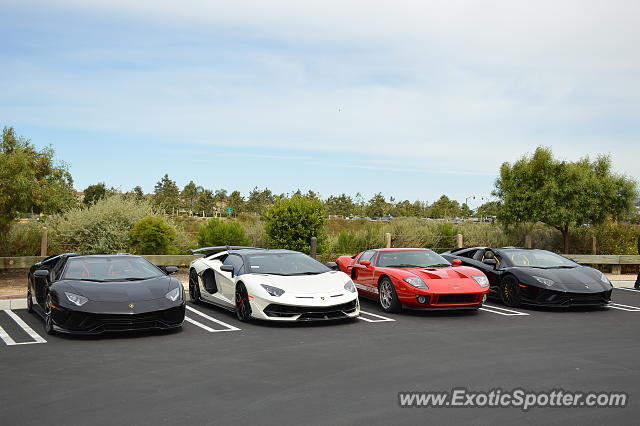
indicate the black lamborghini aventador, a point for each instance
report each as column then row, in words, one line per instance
column 97, row 293
column 536, row 277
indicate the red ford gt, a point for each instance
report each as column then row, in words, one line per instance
column 415, row 279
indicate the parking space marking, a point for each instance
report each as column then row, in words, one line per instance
column 229, row 327
column 624, row 307
column 627, row 289
column 380, row 317
column 502, row 311
column 9, row 340
column 35, row 336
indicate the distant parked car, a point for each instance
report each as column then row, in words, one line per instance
column 536, row 277
column 97, row 293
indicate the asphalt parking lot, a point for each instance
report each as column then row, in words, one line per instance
column 217, row 370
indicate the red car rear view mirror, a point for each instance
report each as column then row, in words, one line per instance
column 456, row 262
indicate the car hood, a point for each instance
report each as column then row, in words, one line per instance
column 581, row 279
column 122, row 291
column 328, row 282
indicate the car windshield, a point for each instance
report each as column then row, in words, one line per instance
column 411, row 258
column 284, row 264
column 110, row 268
column 537, row 259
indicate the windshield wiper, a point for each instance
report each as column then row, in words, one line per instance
column 128, row 279
column 437, row 265
column 84, row 279
column 306, row 273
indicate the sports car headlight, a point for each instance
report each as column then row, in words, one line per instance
column 545, row 281
column 604, row 278
column 416, row 282
column 174, row 294
column 482, row 280
column 273, row 291
column 350, row 287
column 76, row 299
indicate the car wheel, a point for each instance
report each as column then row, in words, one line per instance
column 48, row 321
column 243, row 308
column 29, row 302
column 388, row 297
column 510, row 292
column 194, row 288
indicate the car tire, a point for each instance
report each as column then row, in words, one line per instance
column 243, row 307
column 48, row 321
column 510, row 292
column 29, row 302
column 194, row 288
column 387, row 296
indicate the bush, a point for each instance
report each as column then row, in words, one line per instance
column 218, row 232
column 292, row 222
column 23, row 239
column 101, row 228
column 152, row 235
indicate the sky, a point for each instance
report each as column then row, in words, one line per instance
column 413, row 99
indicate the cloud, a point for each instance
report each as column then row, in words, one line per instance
column 456, row 86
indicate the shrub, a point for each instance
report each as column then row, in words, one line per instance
column 101, row 228
column 291, row 223
column 217, row 232
column 23, row 239
column 151, row 235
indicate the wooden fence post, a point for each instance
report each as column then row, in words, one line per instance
column 594, row 245
column 459, row 242
column 387, row 237
column 45, row 241
column 314, row 247
column 528, row 241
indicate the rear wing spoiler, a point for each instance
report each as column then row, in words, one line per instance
column 217, row 249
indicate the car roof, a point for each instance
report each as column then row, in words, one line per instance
column 262, row 251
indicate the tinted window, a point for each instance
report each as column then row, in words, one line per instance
column 537, row 259
column 237, row 263
column 367, row 255
column 469, row 253
column 109, row 268
column 284, row 264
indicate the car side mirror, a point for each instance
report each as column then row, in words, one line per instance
column 332, row 265
column 366, row 263
column 41, row 273
column 456, row 262
column 171, row 269
column 227, row 268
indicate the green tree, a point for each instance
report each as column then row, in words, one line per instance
column 137, row 192
column 259, row 201
column 377, row 206
column 406, row 208
column 236, row 202
column 190, row 195
column 93, row 193
column 205, row 202
column 293, row 221
column 465, row 211
column 342, row 205
column 30, row 179
column 445, row 208
column 151, row 235
column 539, row 188
column 166, row 195
column 217, row 232
column 490, row 208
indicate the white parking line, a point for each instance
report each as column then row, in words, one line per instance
column 624, row 307
column 627, row 289
column 9, row 340
column 229, row 326
column 382, row 319
column 35, row 336
column 502, row 311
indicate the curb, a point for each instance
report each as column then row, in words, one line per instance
column 13, row 303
